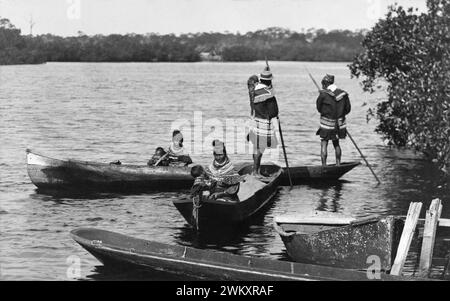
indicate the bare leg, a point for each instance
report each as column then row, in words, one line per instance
column 323, row 151
column 257, row 162
column 338, row 151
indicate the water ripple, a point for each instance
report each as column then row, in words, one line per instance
column 106, row 112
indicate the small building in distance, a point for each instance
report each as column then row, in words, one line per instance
column 210, row 56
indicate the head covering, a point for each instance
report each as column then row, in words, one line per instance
column 266, row 74
column 219, row 170
column 219, row 147
column 328, row 80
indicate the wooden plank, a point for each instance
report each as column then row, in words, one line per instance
column 429, row 235
column 405, row 240
column 446, row 273
column 443, row 222
column 315, row 217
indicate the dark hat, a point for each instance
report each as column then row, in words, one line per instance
column 266, row 74
column 329, row 79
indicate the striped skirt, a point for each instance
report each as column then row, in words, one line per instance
column 332, row 129
column 262, row 134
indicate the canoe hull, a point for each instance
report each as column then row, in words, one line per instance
column 53, row 174
column 346, row 246
column 225, row 213
column 115, row 249
column 48, row 174
column 304, row 174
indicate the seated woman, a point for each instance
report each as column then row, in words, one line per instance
column 222, row 173
column 176, row 154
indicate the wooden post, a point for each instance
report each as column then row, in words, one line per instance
column 446, row 273
column 429, row 235
column 407, row 236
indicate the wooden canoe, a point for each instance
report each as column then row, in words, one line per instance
column 304, row 174
column 49, row 173
column 340, row 241
column 254, row 194
column 117, row 250
column 56, row 174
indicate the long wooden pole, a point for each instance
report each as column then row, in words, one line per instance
column 284, row 151
column 282, row 141
column 160, row 159
column 364, row 158
column 350, row 136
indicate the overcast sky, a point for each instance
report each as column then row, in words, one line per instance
column 67, row 17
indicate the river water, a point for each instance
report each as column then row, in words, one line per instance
column 122, row 111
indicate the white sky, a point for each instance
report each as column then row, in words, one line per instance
column 67, row 17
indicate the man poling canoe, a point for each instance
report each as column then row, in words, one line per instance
column 350, row 136
column 264, row 108
column 333, row 104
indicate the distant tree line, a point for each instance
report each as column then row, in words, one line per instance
column 275, row 43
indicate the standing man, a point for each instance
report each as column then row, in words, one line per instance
column 264, row 107
column 333, row 105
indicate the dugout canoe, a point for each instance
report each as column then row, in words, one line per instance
column 304, row 174
column 118, row 250
column 56, row 174
column 253, row 195
column 340, row 241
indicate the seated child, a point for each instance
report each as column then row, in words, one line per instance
column 202, row 182
column 159, row 158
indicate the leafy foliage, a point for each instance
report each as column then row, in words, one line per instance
column 275, row 43
column 16, row 48
column 411, row 53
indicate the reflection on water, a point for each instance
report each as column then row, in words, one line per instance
column 125, row 273
column 329, row 198
column 64, row 118
column 244, row 239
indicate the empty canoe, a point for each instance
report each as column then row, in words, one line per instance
column 340, row 241
column 303, row 174
column 114, row 250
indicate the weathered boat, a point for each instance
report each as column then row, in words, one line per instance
column 253, row 195
column 340, row 241
column 117, row 250
column 49, row 173
column 304, row 174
